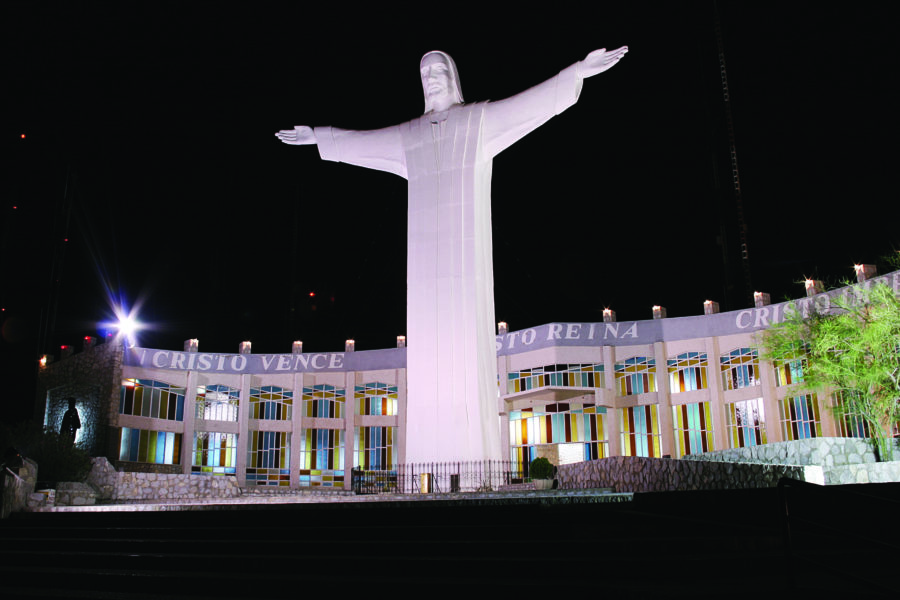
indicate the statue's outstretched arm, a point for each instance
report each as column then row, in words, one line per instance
column 600, row 60
column 300, row 135
column 509, row 120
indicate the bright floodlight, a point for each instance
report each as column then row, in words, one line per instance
column 127, row 326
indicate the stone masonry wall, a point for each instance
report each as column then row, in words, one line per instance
column 156, row 486
column 137, row 467
column 823, row 451
column 637, row 474
column 844, row 460
column 93, row 378
column 105, row 485
column 17, row 488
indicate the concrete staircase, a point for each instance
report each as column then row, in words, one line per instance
column 728, row 542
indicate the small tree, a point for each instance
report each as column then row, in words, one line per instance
column 853, row 348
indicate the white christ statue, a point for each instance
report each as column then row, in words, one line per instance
column 446, row 156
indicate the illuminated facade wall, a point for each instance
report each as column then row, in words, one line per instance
column 577, row 391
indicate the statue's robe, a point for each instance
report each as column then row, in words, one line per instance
column 451, row 366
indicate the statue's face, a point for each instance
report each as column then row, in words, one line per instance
column 436, row 81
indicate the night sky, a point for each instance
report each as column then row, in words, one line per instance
column 149, row 147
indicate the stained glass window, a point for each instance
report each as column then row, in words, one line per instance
column 800, row 418
column 640, row 431
column 740, row 368
column 558, row 423
column 746, row 422
column 562, row 375
column 271, row 403
column 790, row 371
column 373, row 447
column 269, row 458
column 154, row 399
column 322, row 458
column 214, row 453
column 850, row 423
column 687, row 372
column 375, row 399
column 636, row 376
column 324, row 401
column 217, row 403
column 157, row 447
column 693, row 428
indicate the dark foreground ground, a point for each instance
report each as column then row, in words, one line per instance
column 837, row 539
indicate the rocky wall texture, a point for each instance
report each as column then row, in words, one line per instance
column 864, row 473
column 106, row 485
column 137, row 467
column 103, row 478
column 17, row 487
column 73, row 493
column 132, row 487
column 93, row 379
column 637, row 474
column 843, row 460
column 824, row 452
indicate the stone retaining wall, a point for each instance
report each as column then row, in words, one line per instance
column 637, row 474
column 157, row 486
column 137, row 467
column 72, row 493
column 105, row 484
column 844, row 460
column 866, row 473
column 824, row 451
column 17, row 487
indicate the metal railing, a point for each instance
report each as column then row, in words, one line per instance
column 437, row 478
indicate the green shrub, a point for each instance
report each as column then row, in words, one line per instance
column 541, row 469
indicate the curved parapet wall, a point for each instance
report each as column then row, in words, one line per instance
column 625, row 333
column 629, row 333
column 322, row 362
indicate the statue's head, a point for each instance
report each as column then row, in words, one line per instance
column 440, row 81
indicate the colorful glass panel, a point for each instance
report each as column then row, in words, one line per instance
column 323, row 401
column 271, row 403
column 746, row 422
column 156, row 447
column 217, row 403
column 373, row 447
column 800, row 418
column 636, row 376
column 687, row 372
column 153, row 399
column 562, row 375
column 693, row 428
column 269, row 458
column 376, row 399
column 560, row 423
column 640, row 431
column 214, row 453
column 322, row 458
column 740, row 368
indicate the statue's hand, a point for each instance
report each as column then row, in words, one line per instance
column 600, row 60
column 298, row 136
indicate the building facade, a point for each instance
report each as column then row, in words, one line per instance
column 573, row 391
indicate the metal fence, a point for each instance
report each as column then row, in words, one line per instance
column 437, row 478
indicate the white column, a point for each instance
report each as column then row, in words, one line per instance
column 243, row 430
column 664, row 408
column 716, row 395
column 296, row 429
